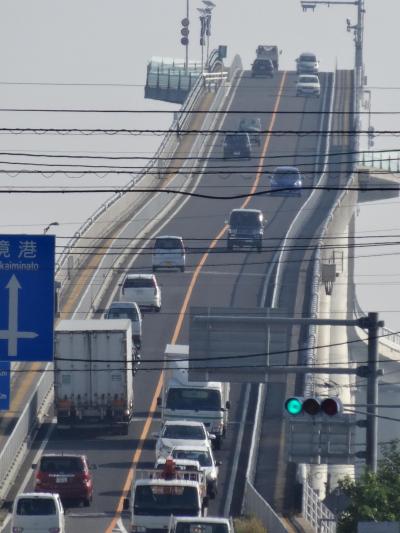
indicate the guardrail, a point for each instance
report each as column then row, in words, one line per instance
column 319, row 516
column 382, row 160
column 17, row 444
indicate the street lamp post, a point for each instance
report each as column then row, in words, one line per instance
column 46, row 229
column 209, row 7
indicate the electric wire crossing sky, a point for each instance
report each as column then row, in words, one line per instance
column 26, row 297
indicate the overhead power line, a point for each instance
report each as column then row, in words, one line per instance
column 265, row 192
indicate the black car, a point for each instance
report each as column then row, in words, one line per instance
column 262, row 67
column 246, row 229
column 237, row 145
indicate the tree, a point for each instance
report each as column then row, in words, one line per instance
column 373, row 497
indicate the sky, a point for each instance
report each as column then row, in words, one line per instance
column 51, row 49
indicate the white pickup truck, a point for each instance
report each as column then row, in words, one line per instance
column 157, row 494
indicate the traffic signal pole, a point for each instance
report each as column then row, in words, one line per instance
column 372, row 392
column 371, row 371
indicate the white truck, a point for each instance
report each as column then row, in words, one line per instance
column 93, row 374
column 268, row 51
column 182, row 399
column 188, row 524
column 157, row 494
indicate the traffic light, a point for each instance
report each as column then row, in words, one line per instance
column 313, row 406
column 185, row 31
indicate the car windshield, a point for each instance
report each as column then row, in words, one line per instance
column 168, row 244
column 193, row 399
column 236, row 140
column 61, row 465
column 197, row 527
column 184, row 432
column 163, row 500
column 245, row 218
column 308, row 57
column 123, row 312
column 286, row 175
column 308, row 79
column 203, row 457
column 138, row 283
column 36, row 506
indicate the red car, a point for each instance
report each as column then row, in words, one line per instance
column 66, row 474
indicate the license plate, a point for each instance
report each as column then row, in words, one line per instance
column 61, row 479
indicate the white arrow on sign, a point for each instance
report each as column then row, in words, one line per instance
column 12, row 334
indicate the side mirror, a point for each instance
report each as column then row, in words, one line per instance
column 126, row 504
column 92, row 467
column 34, row 466
column 218, row 463
column 211, row 436
column 228, row 404
column 159, row 402
column 155, row 435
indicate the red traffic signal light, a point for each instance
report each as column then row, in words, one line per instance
column 313, row 406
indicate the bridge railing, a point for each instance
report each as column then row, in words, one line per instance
column 388, row 161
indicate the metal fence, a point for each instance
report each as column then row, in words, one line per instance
column 385, row 160
column 18, row 442
column 319, row 516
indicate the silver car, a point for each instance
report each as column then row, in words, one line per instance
column 131, row 311
column 169, row 252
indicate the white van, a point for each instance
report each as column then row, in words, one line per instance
column 37, row 512
column 169, row 252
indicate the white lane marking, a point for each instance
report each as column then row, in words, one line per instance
column 29, row 473
column 239, row 440
column 119, row 528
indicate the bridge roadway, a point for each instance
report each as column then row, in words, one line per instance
column 219, row 278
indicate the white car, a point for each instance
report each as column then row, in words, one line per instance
column 142, row 289
column 307, row 63
column 308, row 85
column 169, row 252
column 37, row 511
column 204, row 455
column 181, row 432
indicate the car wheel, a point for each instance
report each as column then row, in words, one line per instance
column 157, row 309
column 154, row 269
column 87, row 501
column 213, row 493
column 218, row 443
column 229, row 245
column 182, row 269
column 259, row 247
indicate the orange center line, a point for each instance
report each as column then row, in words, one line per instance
column 178, row 327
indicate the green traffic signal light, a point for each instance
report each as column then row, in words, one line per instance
column 294, row 406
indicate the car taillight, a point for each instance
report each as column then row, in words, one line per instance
column 39, row 476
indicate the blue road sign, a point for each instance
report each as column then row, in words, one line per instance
column 26, row 297
column 4, row 386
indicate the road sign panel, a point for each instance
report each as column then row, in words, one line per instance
column 4, row 386
column 26, row 297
